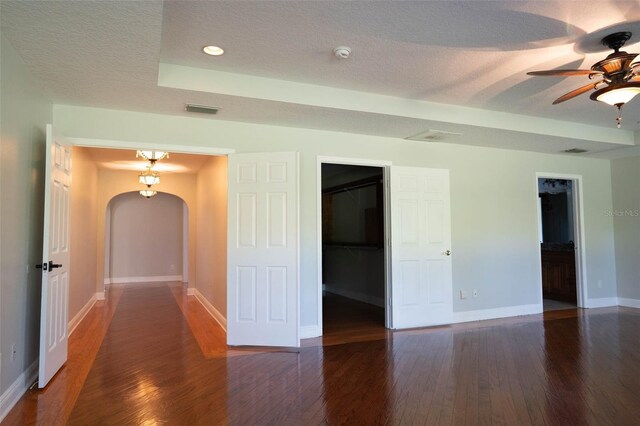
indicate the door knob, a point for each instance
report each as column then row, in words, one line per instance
column 48, row 266
column 54, row 265
column 448, row 252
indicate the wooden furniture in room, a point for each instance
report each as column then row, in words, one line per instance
column 559, row 274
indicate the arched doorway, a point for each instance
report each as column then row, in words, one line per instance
column 146, row 240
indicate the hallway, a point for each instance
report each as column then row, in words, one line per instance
column 151, row 355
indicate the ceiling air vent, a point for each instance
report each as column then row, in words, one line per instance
column 575, row 151
column 202, row 109
column 433, row 136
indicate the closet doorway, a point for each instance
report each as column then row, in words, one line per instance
column 354, row 258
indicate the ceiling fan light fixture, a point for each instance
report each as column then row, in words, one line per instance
column 617, row 94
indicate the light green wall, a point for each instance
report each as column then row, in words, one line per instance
column 493, row 196
column 625, row 176
column 23, row 117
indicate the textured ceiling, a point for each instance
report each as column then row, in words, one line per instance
column 473, row 54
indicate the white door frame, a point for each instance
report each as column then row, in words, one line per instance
column 385, row 165
column 169, row 147
column 578, row 231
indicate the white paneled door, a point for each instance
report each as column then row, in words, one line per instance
column 421, row 247
column 55, row 258
column 262, row 266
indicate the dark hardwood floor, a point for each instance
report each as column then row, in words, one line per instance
column 154, row 357
column 347, row 321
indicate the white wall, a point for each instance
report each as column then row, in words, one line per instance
column 83, row 208
column 494, row 235
column 24, row 114
column 146, row 237
column 211, row 245
column 625, row 175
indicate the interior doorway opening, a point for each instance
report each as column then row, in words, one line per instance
column 119, row 236
column 353, row 249
column 559, row 238
column 146, row 240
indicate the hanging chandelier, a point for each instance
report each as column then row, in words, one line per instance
column 151, row 155
column 149, row 177
column 148, row 193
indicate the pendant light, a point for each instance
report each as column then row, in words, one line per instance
column 151, row 155
column 149, row 177
column 148, row 193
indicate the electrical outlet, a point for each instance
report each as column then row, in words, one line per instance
column 599, row 283
column 463, row 294
column 475, row 293
column 14, row 352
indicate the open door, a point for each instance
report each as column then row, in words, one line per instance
column 55, row 258
column 262, row 281
column 421, row 247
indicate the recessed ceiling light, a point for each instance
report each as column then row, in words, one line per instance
column 213, row 50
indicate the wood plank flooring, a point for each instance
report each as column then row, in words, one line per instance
column 52, row 405
column 347, row 321
column 136, row 361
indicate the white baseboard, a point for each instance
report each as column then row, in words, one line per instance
column 360, row 297
column 309, row 331
column 629, row 303
column 127, row 280
column 220, row 319
column 508, row 311
column 100, row 295
column 82, row 313
column 602, row 302
column 191, row 291
column 14, row 392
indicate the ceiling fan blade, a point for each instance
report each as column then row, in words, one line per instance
column 563, row 72
column 576, row 92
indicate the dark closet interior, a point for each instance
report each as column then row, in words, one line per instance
column 353, row 257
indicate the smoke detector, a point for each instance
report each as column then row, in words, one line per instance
column 432, row 135
column 342, row 52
